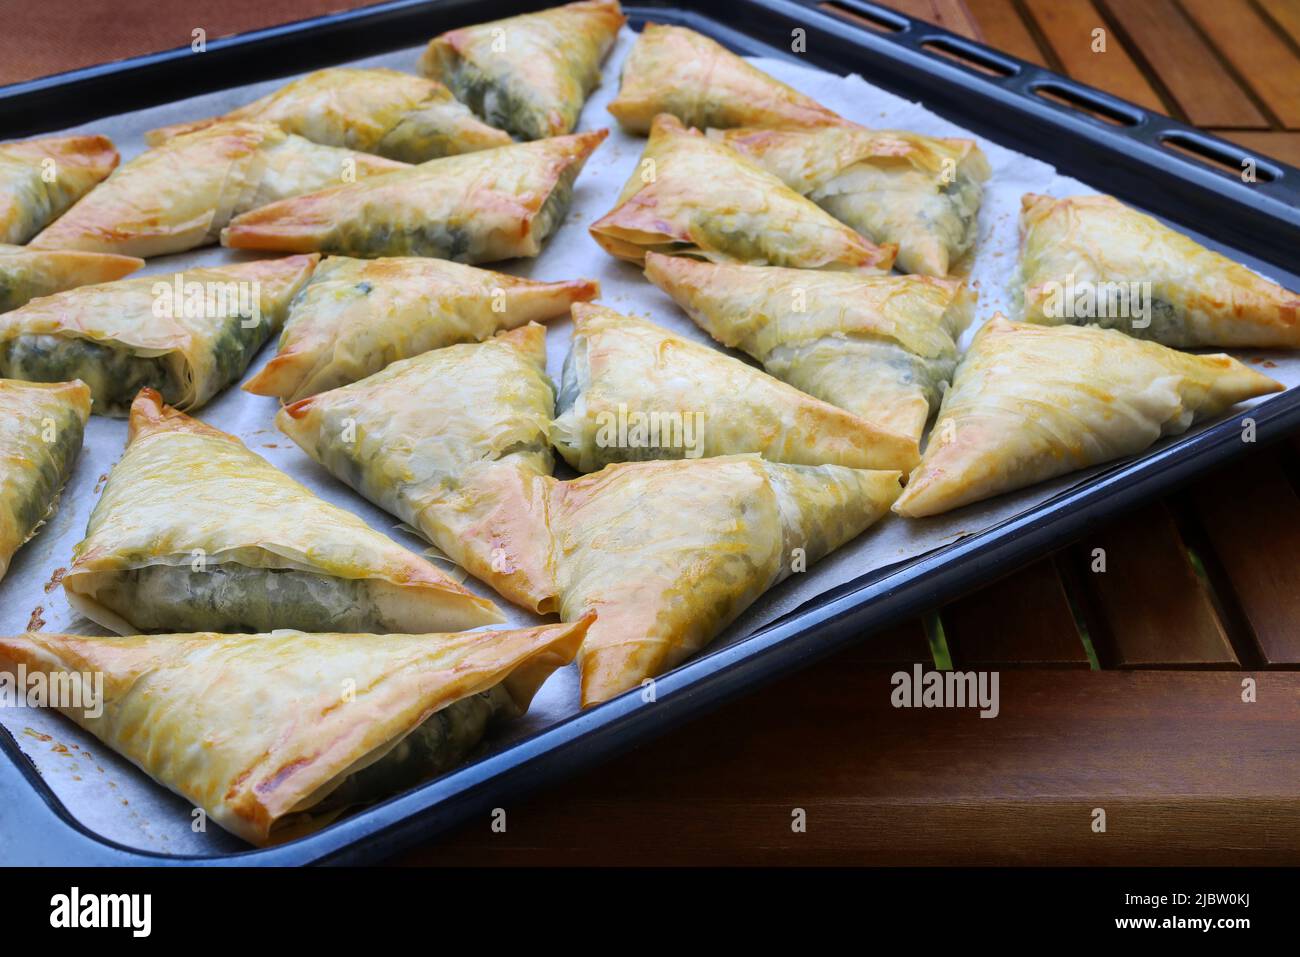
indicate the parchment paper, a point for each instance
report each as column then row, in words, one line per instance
column 113, row 798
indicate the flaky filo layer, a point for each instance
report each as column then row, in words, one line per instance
column 678, row 71
column 445, row 441
column 633, row 391
column 194, row 532
column 356, row 316
column 696, row 196
column 27, row 274
column 42, row 426
column 882, row 347
column 275, row 735
column 667, row 554
column 187, row 335
column 1093, row 260
column 919, row 193
column 1031, row 402
column 30, row 197
column 529, row 74
column 477, row 207
column 386, row 112
column 182, row 193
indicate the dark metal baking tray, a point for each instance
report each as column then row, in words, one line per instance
column 1116, row 146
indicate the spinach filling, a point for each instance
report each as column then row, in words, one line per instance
column 114, row 374
column 234, row 349
column 467, row 242
column 13, row 291
column 229, row 597
column 49, row 477
column 431, row 239
column 498, row 101
column 437, row 746
column 962, row 197
column 1163, row 321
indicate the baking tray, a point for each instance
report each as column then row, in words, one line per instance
column 1118, row 147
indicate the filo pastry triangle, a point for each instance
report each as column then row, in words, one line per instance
column 194, row 532
column 180, row 194
column 919, row 193
column 450, row 442
column 1031, row 402
column 276, row 735
column 882, row 347
column 41, row 430
column 356, row 316
column 668, row 553
column 692, row 195
column 26, row 274
column 387, row 112
column 477, row 207
column 702, row 83
column 632, row 391
column 40, row 179
column 532, row 73
column 1091, row 259
column 188, row 335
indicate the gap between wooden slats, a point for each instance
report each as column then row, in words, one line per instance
column 1250, row 517
column 1148, row 609
column 1000, row 25
column 949, row 14
column 1189, row 68
column 1259, row 55
column 1068, row 27
column 1285, row 15
column 1022, row 620
column 1280, row 144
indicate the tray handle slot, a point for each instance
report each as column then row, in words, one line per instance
column 970, row 56
column 1088, row 102
column 1220, row 155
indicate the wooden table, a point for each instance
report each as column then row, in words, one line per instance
column 1120, row 691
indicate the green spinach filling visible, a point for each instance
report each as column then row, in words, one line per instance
column 1163, row 322
column 438, row 745
column 14, row 292
column 467, row 242
column 114, row 374
column 229, row 597
column 498, row 102
column 49, row 477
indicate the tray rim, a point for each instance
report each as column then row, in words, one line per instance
column 836, row 619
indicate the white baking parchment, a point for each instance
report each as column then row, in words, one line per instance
column 114, row 799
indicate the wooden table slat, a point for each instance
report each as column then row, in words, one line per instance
column 1256, row 51
column 1186, row 65
column 1001, row 26
column 949, row 14
column 1186, row 772
column 1251, row 516
column 1155, row 610
column 1068, row 26
column 1286, row 15
column 1023, row 620
column 1282, row 145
